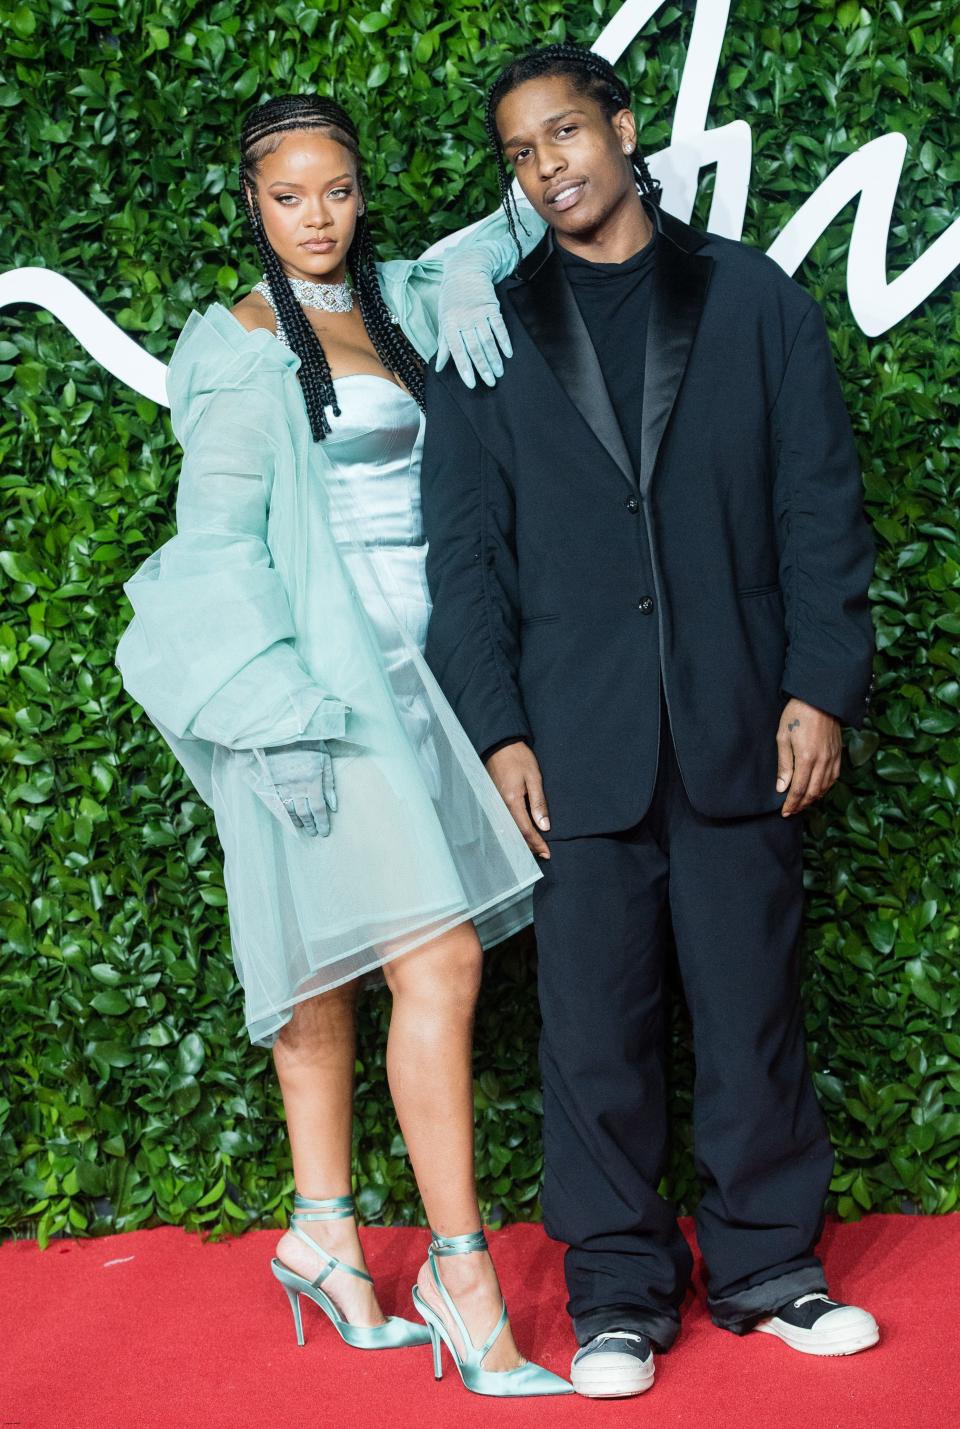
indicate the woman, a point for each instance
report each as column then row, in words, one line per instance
column 277, row 644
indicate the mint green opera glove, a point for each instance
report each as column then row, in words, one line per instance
column 300, row 786
column 472, row 330
column 471, row 324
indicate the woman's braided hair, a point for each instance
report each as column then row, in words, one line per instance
column 590, row 75
column 262, row 133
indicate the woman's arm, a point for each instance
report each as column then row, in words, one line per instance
column 444, row 299
column 211, row 651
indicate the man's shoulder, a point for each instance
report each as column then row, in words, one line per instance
column 754, row 274
column 448, row 394
column 509, row 284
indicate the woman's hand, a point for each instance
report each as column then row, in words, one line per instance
column 471, row 324
column 302, row 777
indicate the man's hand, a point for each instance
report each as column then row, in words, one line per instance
column 808, row 755
column 516, row 773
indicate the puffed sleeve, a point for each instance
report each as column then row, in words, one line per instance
column 210, row 653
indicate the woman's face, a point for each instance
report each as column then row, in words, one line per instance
column 309, row 199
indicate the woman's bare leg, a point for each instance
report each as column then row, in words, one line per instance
column 429, row 1065
column 314, row 1057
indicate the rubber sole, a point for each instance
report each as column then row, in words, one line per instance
column 591, row 1382
column 832, row 1348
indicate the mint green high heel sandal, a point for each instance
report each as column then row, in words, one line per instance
column 526, row 1379
column 394, row 1334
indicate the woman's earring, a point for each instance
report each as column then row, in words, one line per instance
column 628, row 148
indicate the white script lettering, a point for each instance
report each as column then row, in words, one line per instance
column 871, row 175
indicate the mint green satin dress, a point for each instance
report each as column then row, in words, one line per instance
column 292, row 604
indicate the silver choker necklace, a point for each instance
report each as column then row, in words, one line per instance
column 328, row 297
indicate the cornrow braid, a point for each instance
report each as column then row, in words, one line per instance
column 590, row 75
column 393, row 348
column 269, row 122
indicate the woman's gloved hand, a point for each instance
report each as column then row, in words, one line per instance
column 302, row 785
column 469, row 317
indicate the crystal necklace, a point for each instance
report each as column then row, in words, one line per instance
column 328, row 297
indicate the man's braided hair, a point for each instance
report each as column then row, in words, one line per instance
column 263, row 131
column 591, row 75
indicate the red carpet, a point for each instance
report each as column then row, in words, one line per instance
column 157, row 1328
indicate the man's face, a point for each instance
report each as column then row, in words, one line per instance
column 569, row 158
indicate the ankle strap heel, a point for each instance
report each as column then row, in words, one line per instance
column 526, row 1379
column 393, row 1334
column 337, row 1208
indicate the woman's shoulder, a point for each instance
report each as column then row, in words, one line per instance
column 218, row 334
column 219, row 351
column 254, row 312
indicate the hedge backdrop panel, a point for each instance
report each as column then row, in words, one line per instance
column 128, row 1092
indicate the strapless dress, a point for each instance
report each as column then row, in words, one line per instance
column 372, row 471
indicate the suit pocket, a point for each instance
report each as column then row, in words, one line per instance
column 538, row 619
column 758, row 590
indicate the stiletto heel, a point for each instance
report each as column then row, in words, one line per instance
column 294, row 1299
column 526, row 1379
column 437, row 1361
column 395, row 1333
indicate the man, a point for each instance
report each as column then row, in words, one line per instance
column 649, row 565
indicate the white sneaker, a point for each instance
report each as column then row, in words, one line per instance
column 613, row 1365
column 817, row 1325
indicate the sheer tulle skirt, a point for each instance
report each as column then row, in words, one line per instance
column 421, row 840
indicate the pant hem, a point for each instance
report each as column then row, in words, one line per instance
column 660, row 1329
column 740, row 1312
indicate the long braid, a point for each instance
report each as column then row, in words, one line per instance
column 275, row 118
column 507, row 200
column 591, row 75
column 388, row 338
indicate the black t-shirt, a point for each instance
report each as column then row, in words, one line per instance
column 614, row 300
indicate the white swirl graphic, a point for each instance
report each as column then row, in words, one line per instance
column 871, row 175
column 106, row 343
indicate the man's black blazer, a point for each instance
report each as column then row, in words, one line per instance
column 735, row 562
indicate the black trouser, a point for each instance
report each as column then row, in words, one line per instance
column 732, row 890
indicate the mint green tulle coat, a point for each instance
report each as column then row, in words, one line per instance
column 262, row 623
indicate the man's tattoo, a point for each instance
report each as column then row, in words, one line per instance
column 794, row 724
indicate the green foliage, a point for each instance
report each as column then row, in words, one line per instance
column 128, row 1093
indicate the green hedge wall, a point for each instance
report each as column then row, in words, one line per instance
column 128, row 1093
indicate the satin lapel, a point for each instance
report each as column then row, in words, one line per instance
column 680, row 282
column 548, row 310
